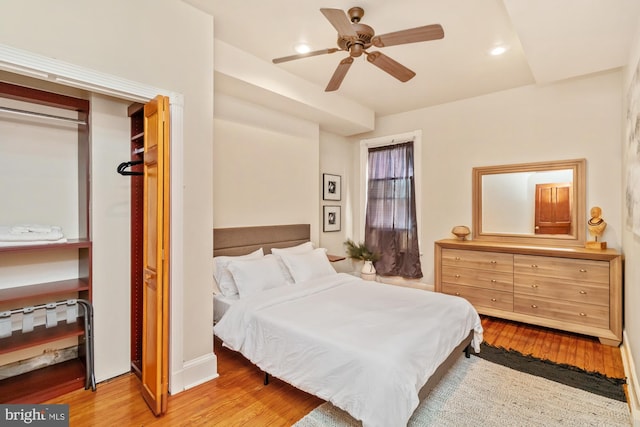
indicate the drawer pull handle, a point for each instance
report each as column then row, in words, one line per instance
column 583, row 314
column 534, row 306
column 534, row 266
column 583, row 292
column 457, row 293
column 493, row 262
column 493, row 280
column 457, row 276
column 457, row 258
column 493, row 300
column 582, row 270
column 534, row 285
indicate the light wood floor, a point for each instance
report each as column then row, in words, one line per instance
column 239, row 398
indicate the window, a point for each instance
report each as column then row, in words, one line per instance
column 391, row 218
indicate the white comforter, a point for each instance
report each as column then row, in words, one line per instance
column 366, row 347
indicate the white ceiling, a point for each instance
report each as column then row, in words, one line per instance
column 546, row 40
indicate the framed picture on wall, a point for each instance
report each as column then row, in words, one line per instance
column 331, row 186
column 331, row 218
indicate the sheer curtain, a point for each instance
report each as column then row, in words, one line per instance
column 390, row 224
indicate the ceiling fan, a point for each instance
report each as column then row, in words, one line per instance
column 356, row 38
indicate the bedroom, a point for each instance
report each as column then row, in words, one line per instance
column 599, row 97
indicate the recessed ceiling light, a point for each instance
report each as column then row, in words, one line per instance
column 498, row 50
column 302, row 48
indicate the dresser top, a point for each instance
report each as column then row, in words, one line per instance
column 555, row 251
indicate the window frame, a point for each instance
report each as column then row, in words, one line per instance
column 365, row 144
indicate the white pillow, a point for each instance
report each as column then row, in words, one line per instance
column 298, row 249
column 222, row 275
column 256, row 275
column 308, row 265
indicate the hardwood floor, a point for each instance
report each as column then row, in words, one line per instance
column 239, row 398
column 558, row 346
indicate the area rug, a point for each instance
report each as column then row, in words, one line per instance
column 593, row 382
column 476, row 392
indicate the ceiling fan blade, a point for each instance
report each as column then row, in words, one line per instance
column 413, row 35
column 391, row 66
column 338, row 75
column 338, row 18
column 304, row 55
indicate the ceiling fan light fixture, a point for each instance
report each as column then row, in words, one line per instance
column 356, row 50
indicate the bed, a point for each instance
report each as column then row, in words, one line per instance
column 372, row 349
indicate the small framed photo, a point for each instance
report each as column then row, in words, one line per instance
column 331, row 186
column 331, row 215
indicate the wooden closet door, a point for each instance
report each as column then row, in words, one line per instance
column 155, row 311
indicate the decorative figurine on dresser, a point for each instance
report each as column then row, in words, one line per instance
column 567, row 281
column 596, row 227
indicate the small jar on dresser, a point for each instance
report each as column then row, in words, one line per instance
column 569, row 288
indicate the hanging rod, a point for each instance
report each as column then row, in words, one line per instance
column 41, row 115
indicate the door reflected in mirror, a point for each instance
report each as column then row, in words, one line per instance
column 512, row 201
column 532, row 202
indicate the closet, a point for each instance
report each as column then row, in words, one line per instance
column 34, row 275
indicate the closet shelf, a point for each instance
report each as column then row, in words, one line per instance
column 70, row 244
column 41, row 335
column 43, row 290
column 43, row 384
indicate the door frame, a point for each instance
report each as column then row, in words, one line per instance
column 18, row 61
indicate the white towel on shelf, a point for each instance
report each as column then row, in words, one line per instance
column 54, row 233
column 34, row 228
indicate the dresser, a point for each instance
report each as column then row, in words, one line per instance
column 567, row 288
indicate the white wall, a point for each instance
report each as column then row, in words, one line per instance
column 161, row 43
column 336, row 158
column 111, row 217
column 578, row 118
column 265, row 167
column 631, row 247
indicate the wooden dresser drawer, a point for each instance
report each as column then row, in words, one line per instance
column 492, row 261
column 562, row 289
column 583, row 314
column 479, row 297
column 488, row 279
column 562, row 268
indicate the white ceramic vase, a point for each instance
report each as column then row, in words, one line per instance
column 368, row 271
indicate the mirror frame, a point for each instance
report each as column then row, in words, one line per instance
column 578, row 204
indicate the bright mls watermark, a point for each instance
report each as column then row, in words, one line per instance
column 34, row 415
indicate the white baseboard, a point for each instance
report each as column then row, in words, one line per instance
column 195, row 372
column 633, row 387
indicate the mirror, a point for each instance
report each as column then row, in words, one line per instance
column 536, row 203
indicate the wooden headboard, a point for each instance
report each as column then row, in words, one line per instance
column 243, row 240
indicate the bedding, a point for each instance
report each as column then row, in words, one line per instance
column 307, row 265
column 256, row 275
column 222, row 275
column 221, row 304
column 366, row 347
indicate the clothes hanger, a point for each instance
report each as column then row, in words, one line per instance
column 124, row 165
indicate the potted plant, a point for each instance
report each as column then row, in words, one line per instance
column 360, row 251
